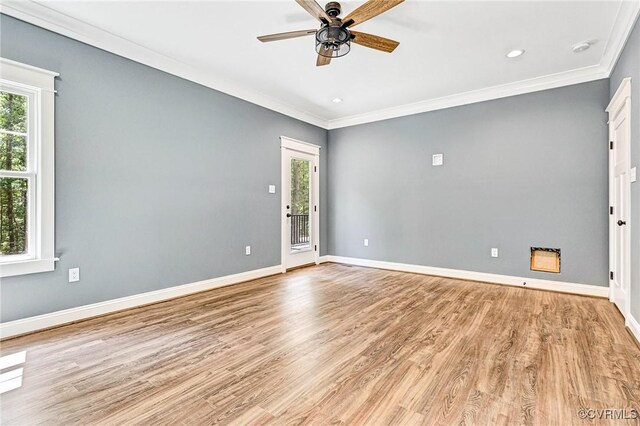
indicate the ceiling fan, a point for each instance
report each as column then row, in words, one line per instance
column 334, row 37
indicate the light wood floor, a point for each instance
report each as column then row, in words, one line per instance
column 334, row 344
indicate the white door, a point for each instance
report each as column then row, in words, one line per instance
column 619, row 196
column 299, row 204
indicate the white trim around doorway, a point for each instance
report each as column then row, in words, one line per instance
column 620, row 104
column 289, row 144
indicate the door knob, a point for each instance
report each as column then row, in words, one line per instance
column 288, row 214
column 621, row 222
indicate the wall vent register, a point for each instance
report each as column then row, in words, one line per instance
column 545, row 259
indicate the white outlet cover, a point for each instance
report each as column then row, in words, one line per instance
column 247, row 250
column 74, row 275
column 494, row 252
column 272, row 189
column 437, row 159
column 366, row 242
column 633, row 176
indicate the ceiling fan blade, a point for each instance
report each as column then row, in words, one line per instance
column 374, row 41
column 284, row 36
column 323, row 60
column 315, row 10
column 370, row 9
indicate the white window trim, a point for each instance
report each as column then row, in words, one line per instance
column 38, row 84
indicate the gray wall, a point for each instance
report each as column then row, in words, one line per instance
column 529, row 170
column 159, row 181
column 629, row 66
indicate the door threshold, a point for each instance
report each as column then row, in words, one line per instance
column 306, row 265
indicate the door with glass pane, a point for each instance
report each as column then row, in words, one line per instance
column 300, row 208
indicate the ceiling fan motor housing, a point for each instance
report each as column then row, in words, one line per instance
column 333, row 9
column 333, row 39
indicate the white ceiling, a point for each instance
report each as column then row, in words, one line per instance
column 446, row 48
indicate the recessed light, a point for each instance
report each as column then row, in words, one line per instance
column 581, row 47
column 336, row 100
column 515, row 53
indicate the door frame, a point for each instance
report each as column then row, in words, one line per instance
column 289, row 144
column 620, row 103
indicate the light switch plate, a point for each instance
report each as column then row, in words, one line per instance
column 247, row 250
column 632, row 176
column 272, row 189
column 494, row 252
column 437, row 159
column 366, row 242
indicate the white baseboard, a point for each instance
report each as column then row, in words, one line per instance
column 564, row 287
column 634, row 326
column 53, row 319
column 40, row 322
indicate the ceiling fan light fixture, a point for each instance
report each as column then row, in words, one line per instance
column 333, row 41
column 334, row 37
column 336, row 100
column 515, row 53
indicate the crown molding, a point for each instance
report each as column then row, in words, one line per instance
column 47, row 18
column 625, row 20
column 551, row 81
column 42, row 16
column 627, row 15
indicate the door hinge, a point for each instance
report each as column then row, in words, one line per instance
column 315, row 248
column 610, row 209
column 611, row 275
column 315, row 168
column 315, row 208
column 610, row 144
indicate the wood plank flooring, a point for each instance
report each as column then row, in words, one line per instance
column 334, row 344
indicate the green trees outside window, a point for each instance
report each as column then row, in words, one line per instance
column 13, row 158
column 299, row 186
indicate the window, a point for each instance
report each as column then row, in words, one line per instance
column 26, row 169
column 17, row 175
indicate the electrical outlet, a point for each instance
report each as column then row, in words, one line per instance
column 437, row 159
column 494, row 252
column 366, row 242
column 74, row 275
column 272, row 189
column 247, row 250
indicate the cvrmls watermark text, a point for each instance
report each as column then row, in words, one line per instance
column 608, row 413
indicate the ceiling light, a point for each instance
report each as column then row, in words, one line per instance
column 336, row 100
column 515, row 53
column 581, row 47
column 333, row 41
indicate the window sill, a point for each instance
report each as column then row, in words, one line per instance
column 12, row 269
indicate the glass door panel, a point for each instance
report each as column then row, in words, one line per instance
column 300, row 205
